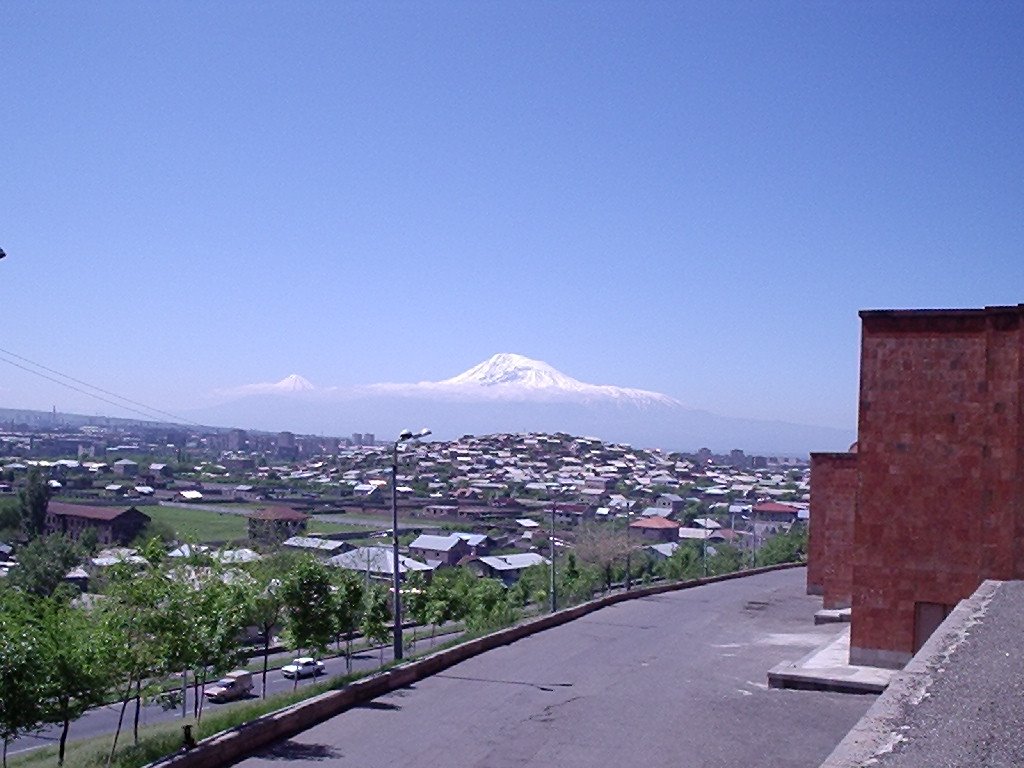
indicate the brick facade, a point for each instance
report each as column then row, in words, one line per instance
column 830, row 545
column 940, row 497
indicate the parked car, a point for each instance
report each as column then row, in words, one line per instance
column 303, row 667
column 234, row 685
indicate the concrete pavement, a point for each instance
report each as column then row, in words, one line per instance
column 670, row 679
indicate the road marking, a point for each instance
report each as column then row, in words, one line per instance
column 26, row 749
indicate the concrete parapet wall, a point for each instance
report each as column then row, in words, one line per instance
column 884, row 726
column 229, row 746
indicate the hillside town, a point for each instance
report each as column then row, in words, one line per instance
column 458, row 501
column 492, row 503
column 283, row 543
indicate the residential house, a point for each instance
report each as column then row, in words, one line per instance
column 126, row 468
column 367, row 492
column 378, row 563
column 438, row 510
column 665, row 512
column 507, row 568
column 573, row 514
column 439, row 551
column 113, row 525
column 774, row 512
column 276, row 524
column 323, row 548
column 656, row 529
column 479, row 543
column 663, row 551
column 672, row 502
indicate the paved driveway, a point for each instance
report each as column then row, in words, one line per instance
column 677, row 679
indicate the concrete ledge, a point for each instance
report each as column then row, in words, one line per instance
column 826, row 669
column 231, row 745
column 883, row 726
column 832, row 616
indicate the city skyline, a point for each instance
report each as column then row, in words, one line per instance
column 692, row 200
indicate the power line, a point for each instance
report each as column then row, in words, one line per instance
column 149, row 410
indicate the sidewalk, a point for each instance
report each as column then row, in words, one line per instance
column 826, row 668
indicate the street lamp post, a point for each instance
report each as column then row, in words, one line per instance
column 396, row 576
column 629, row 546
column 554, row 596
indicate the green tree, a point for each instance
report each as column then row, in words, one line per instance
column 266, row 606
column 76, row 669
column 376, row 616
column 788, row 547
column 141, row 615
column 10, row 518
column 685, row 563
column 33, row 500
column 491, row 606
column 576, row 582
column 415, row 600
column 220, row 615
column 157, row 529
column 346, row 605
column 533, row 585
column 727, row 559
column 89, row 541
column 43, row 563
column 309, row 620
column 21, row 682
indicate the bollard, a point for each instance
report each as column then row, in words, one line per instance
column 189, row 742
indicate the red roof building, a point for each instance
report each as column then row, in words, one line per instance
column 273, row 525
column 656, row 529
column 113, row 525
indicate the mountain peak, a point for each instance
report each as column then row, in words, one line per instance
column 509, row 374
column 510, row 368
column 294, row 383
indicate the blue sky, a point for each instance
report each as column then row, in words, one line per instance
column 692, row 198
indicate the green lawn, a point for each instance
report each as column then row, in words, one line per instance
column 315, row 526
column 200, row 525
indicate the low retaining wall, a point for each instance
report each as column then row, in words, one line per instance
column 229, row 746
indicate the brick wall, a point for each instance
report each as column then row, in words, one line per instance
column 830, row 546
column 940, row 500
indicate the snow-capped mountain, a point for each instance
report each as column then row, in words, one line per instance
column 289, row 384
column 508, row 393
column 507, row 373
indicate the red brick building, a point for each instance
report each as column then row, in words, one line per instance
column 939, row 499
column 113, row 525
column 830, row 536
column 272, row 525
column 658, row 529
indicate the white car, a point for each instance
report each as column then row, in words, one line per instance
column 303, row 667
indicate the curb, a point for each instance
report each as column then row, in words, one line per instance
column 231, row 745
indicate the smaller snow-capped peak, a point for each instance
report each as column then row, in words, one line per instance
column 289, row 385
column 294, row 383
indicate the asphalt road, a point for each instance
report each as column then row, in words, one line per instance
column 103, row 720
column 677, row 679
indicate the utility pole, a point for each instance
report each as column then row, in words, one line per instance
column 629, row 546
column 551, row 538
column 704, row 554
column 395, row 561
